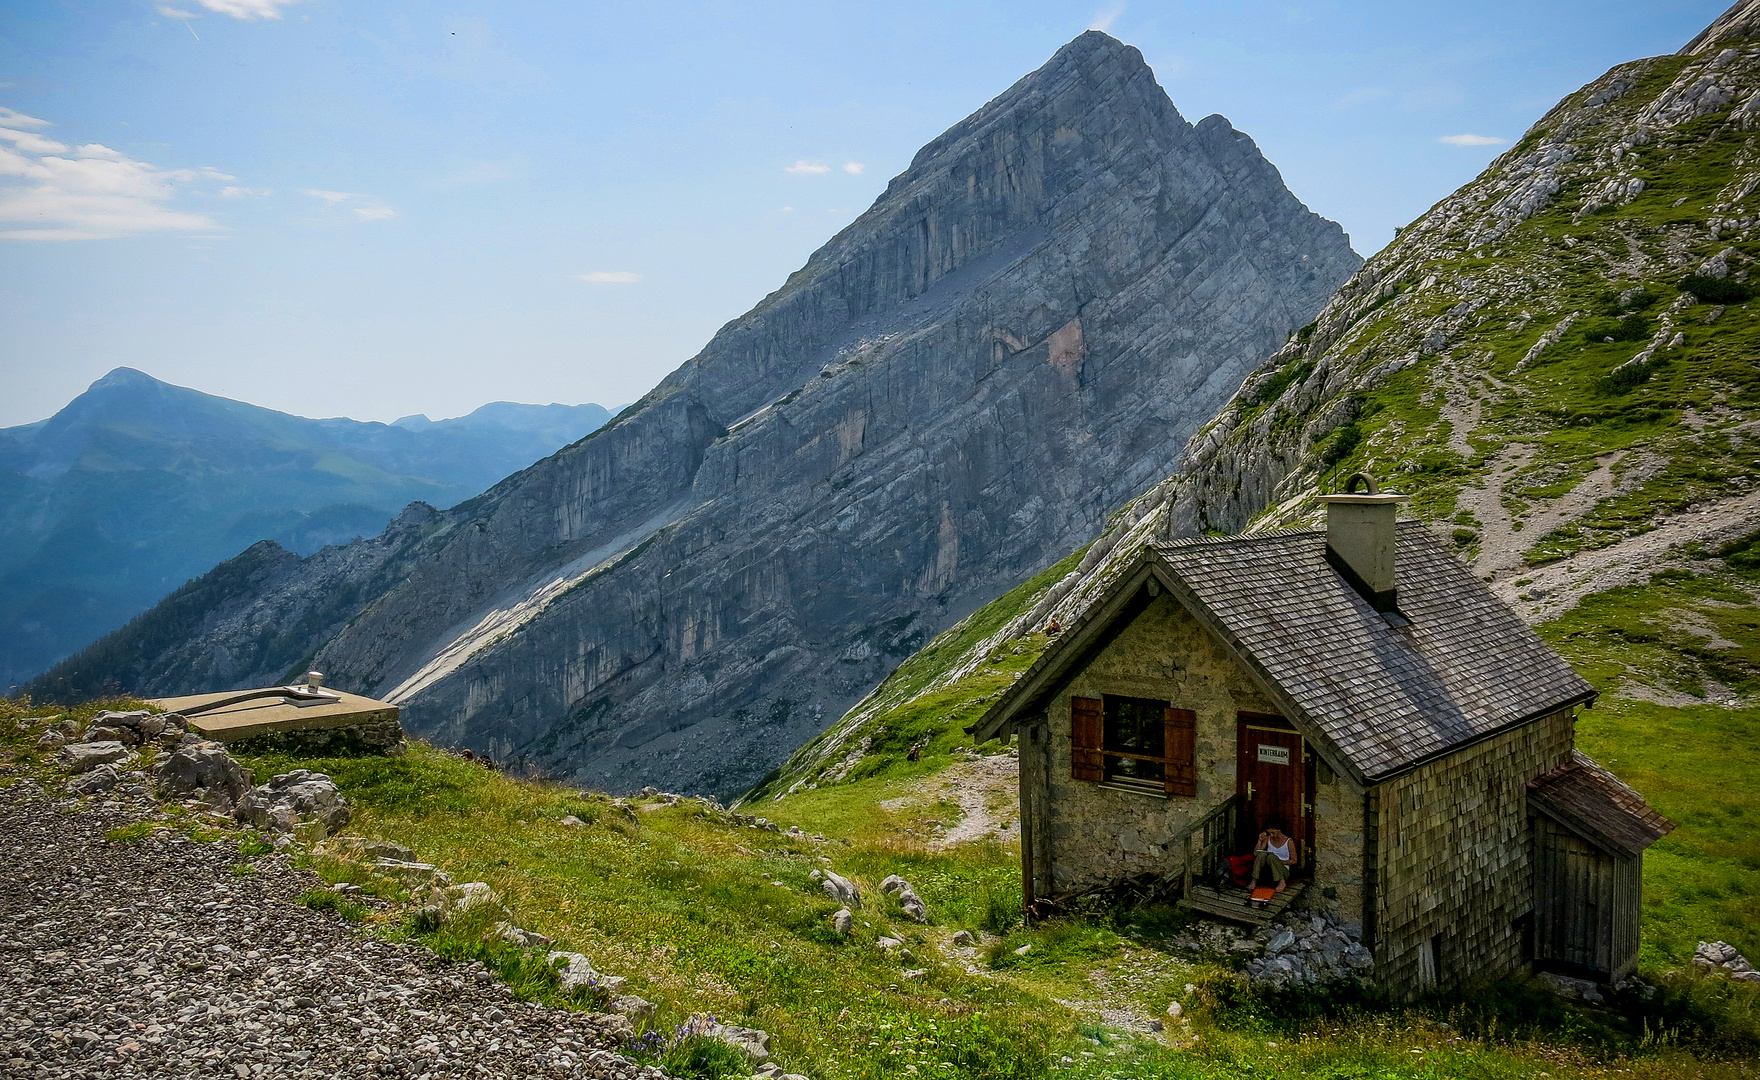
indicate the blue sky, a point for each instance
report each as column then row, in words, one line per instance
column 375, row 209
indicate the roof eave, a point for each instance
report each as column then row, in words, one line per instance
column 1316, row 737
column 1455, row 748
column 1021, row 698
column 1588, row 834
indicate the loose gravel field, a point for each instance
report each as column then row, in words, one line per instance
column 154, row 958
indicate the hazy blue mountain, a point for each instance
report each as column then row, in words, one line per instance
column 137, row 486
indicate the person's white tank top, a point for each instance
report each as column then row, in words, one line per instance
column 1281, row 852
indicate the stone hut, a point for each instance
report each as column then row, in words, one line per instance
column 1361, row 685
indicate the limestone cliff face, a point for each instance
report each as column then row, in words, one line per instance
column 1019, row 335
column 1555, row 362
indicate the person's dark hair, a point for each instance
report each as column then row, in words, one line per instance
column 1276, row 823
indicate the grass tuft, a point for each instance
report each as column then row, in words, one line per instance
column 132, row 833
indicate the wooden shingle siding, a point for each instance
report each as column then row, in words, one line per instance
column 1451, row 851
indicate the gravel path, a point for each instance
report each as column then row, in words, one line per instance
column 1555, row 588
column 153, row 959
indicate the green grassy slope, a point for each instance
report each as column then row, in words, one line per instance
column 1428, row 367
column 1653, row 649
column 703, row 912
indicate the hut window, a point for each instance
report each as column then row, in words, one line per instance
column 1134, row 742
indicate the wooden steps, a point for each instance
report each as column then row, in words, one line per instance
column 1231, row 904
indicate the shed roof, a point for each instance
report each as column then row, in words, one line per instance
column 1593, row 803
column 1380, row 697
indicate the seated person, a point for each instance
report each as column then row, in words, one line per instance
column 1272, row 854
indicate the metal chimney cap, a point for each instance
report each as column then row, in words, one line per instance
column 1362, row 500
column 314, row 679
column 1371, row 495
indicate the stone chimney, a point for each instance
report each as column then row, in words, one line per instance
column 1359, row 539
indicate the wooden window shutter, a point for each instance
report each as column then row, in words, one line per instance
column 1087, row 733
column 1181, row 768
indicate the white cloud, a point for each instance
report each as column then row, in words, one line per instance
column 788, row 209
column 364, row 209
column 854, row 168
column 234, row 191
column 1360, row 96
column 247, row 9
column 173, row 13
column 1105, row 17
column 30, row 142
column 807, row 168
column 611, row 277
column 1472, row 140
column 12, row 118
column 52, row 191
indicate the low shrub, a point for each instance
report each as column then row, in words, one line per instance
column 699, row 1057
column 1275, row 384
column 1344, row 441
column 1710, row 1011
column 1743, row 553
column 1716, row 290
column 1628, row 377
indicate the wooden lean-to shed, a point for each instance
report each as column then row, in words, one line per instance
column 1358, row 684
column 1590, row 832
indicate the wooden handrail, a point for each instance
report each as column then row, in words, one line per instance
column 1202, row 830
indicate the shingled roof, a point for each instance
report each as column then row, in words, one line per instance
column 1381, row 696
column 1591, row 802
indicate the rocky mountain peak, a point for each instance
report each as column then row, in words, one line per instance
column 1016, row 337
column 1094, row 68
column 1742, row 20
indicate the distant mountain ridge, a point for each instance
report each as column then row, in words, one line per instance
column 1015, row 338
column 137, row 485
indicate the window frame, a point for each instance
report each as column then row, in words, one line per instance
column 1110, row 708
column 1092, row 719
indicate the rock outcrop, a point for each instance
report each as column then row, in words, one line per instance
column 291, row 798
column 203, row 769
column 1017, row 337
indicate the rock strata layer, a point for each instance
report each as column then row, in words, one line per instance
column 1017, row 337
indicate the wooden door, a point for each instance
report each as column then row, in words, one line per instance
column 1270, row 777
